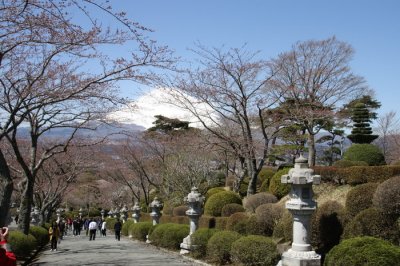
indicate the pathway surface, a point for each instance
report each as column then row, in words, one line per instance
column 107, row 251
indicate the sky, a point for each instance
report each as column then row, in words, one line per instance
column 372, row 28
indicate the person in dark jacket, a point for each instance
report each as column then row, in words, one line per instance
column 117, row 229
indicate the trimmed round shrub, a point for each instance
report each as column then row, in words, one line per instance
column 40, row 233
column 368, row 153
column 220, row 222
column 253, row 226
column 268, row 216
column 284, row 228
column 252, row 202
column 110, row 222
column 167, row 208
column 126, row 226
column 216, row 202
column 199, row 239
column 347, row 163
column 219, row 246
column 180, row 210
column 141, row 230
column 327, row 226
column 169, row 236
column 373, row 222
column 276, row 187
column 387, row 196
column 360, row 198
column 213, row 191
column 237, row 222
column 363, row 251
column 231, row 208
column 22, row 245
column 265, row 175
column 255, row 250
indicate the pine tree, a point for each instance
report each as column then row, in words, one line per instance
column 361, row 132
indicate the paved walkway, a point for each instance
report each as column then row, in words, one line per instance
column 107, row 251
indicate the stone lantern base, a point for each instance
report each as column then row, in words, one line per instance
column 186, row 245
column 300, row 258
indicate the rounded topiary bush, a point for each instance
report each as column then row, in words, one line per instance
column 387, row 196
column 373, row 222
column 231, row 208
column 347, row 163
column 284, row 228
column 213, row 191
column 327, row 225
column 265, row 175
column 276, row 187
column 216, row 202
column 219, row 246
column 360, row 198
column 251, row 203
column 368, row 153
column 363, row 251
column 255, row 250
column 22, row 245
column 237, row 222
column 141, row 230
column 268, row 216
column 200, row 239
column 180, row 210
column 126, row 227
column 40, row 233
column 169, row 236
column 110, row 222
column 253, row 226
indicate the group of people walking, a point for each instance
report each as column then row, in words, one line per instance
column 59, row 229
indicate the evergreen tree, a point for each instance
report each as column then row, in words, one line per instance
column 361, row 132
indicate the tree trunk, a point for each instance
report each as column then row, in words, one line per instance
column 252, row 188
column 311, row 150
column 26, row 207
column 7, row 187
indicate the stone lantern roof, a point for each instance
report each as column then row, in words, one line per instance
column 301, row 174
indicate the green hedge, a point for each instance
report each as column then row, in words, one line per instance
column 276, row 187
column 169, row 236
column 219, row 246
column 216, row 202
column 254, row 250
column 141, row 230
column 363, row 251
column 126, row 226
column 200, row 239
column 346, row 163
column 22, row 245
column 40, row 233
column 357, row 174
column 110, row 222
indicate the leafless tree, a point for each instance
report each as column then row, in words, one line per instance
column 388, row 129
column 48, row 79
column 231, row 87
column 315, row 77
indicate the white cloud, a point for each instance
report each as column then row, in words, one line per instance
column 156, row 102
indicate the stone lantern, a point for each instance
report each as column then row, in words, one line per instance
column 116, row 213
column 302, row 206
column 80, row 213
column 58, row 213
column 110, row 213
column 102, row 214
column 124, row 213
column 136, row 212
column 35, row 216
column 195, row 202
column 155, row 206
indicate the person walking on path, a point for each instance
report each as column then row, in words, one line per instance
column 54, row 234
column 7, row 257
column 92, row 229
column 117, row 229
column 103, row 228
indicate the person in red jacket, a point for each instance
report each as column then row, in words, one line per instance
column 7, row 257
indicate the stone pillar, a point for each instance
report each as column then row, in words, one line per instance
column 35, row 216
column 124, row 213
column 58, row 213
column 80, row 213
column 102, row 214
column 302, row 206
column 195, row 201
column 116, row 213
column 136, row 212
column 155, row 214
